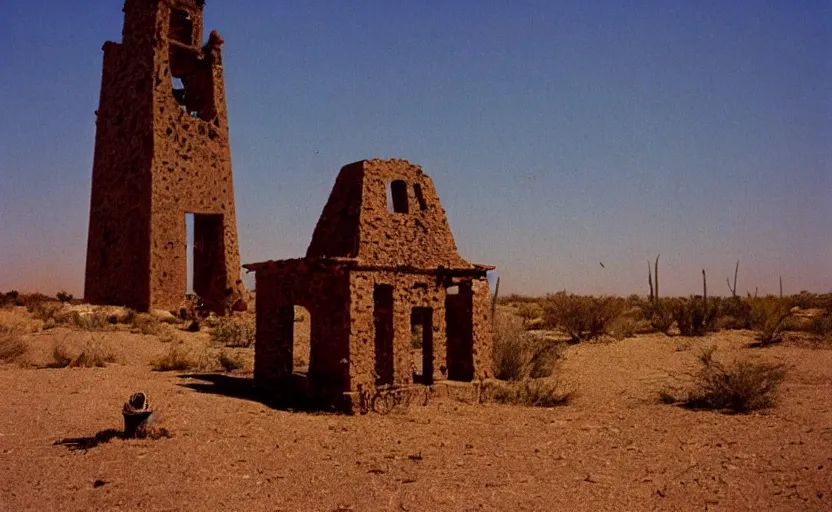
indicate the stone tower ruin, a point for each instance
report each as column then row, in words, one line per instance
column 161, row 153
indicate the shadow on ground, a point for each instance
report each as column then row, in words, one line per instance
column 105, row 436
column 291, row 395
column 86, row 443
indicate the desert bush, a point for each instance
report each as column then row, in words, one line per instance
column 92, row 356
column 529, row 311
column 693, row 316
column 63, row 296
column 514, row 298
column 146, row 323
column 234, row 332
column 733, row 313
column 175, row 360
column 60, row 357
column 739, row 386
column 530, row 392
column 95, row 321
column 519, row 355
column 12, row 348
column 46, row 310
column 582, row 317
column 822, row 325
column 230, row 361
column 9, row 298
column 768, row 315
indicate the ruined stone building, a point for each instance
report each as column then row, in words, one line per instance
column 382, row 265
column 161, row 152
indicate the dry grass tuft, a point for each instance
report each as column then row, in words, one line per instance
column 175, row 360
column 530, row 392
column 91, row 356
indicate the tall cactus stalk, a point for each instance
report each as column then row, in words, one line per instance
column 656, row 297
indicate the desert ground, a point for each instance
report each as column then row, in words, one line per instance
column 615, row 446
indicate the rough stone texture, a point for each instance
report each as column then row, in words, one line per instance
column 366, row 270
column 161, row 153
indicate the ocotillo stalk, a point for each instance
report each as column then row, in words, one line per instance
column 734, row 289
column 494, row 303
column 657, row 280
column 650, row 281
column 704, row 288
column 781, row 287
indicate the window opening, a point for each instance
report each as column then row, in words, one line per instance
column 420, row 198
column 397, row 197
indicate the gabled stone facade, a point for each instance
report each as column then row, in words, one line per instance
column 382, row 268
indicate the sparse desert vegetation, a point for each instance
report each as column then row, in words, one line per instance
column 563, row 409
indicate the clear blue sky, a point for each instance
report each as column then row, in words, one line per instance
column 559, row 134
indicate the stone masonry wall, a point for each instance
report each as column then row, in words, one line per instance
column 155, row 162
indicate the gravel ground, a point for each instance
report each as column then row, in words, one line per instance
column 615, row 447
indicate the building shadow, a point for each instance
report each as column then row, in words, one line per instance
column 291, row 395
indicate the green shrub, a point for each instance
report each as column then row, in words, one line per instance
column 582, row 317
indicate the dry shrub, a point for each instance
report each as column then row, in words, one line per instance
column 230, row 361
column 733, row 313
column 582, row 317
column 146, row 323
column 768, row 315
column 175, row 360
column 94, row 321
column 519, row 355
column 46, row 310
column 12, row 348
column 693, row 316
column 91, row 356
column 822, row 325
column 529, row 312
column 60, row 357
column 739, row 386
column 529, row 392
column 234, row 332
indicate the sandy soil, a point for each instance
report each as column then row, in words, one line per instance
column 614, row 448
